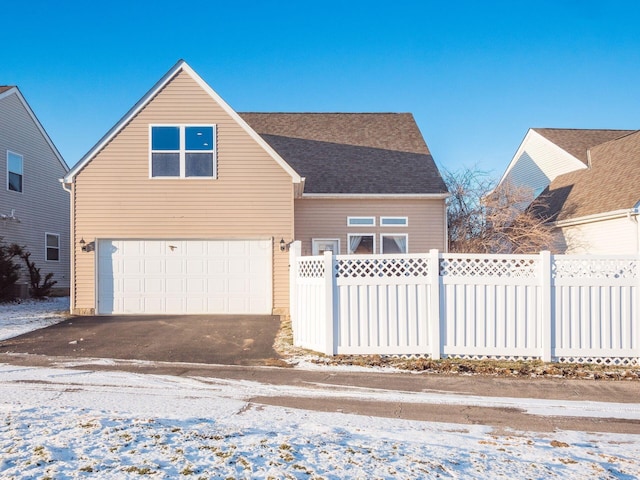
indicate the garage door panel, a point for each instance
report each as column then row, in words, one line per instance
column 195, row 267
column 184, row 276
column 173, row 266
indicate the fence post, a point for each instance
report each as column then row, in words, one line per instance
column 295, row 250
column 330, row 342
column 546, row 317
column 434, row 303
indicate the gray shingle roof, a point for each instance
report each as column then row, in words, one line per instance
column 611, row 183
column 366, row 153
column 4, row 88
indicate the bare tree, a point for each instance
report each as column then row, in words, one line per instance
column 485, row 218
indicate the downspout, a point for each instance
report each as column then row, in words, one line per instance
column 632, row 215
column 72, row 247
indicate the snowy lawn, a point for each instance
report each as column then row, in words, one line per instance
column 28, row 315
column 57, row 423
column 60, row 423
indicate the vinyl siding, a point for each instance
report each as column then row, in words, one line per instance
column 327, row 218
column 614, row 236
column 43, row 206
column 539, row 162
column 252, row 197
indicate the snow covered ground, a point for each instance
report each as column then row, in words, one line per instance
column 62, row 423
column 19, row 318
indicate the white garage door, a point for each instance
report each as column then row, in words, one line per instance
column 184, row 276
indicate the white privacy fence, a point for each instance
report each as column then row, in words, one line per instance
column 552, row 307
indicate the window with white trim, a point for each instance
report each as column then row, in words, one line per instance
column 361, row 221
column 394, row 243
column 321, row 245
column 183, row 151
column 14, row 171
column 52, row 243
column 361, row 243
column 394, row 221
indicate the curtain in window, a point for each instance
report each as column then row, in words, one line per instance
column 354, row 242
column 401, row 242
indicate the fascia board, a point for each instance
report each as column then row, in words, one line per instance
column 34, row 118
column 144, row 101
column 596, row 217
column 386, row 196
column 238, row 119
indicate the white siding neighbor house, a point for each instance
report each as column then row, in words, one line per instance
column 588, row 182
column 34, row 210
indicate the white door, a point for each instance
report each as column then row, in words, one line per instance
column 184, row 276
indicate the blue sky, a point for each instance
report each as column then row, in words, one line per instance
column 475, row 74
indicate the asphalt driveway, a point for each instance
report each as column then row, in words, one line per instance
column 211, row 339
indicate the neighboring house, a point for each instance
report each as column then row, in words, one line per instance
column 589, row 184
column 186, row 206
column 34, row 211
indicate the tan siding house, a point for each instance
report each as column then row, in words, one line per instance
column 186, row 207
column 33, row 207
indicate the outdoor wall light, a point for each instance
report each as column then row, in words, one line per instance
column 283, row 245
column 83, row 244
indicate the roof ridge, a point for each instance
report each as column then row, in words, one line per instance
column 586, row 129
column 631, row 132
column 331, row 113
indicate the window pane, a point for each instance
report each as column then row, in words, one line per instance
column 394, row 221
column 362, row 221
column 365, row 247
column 15, row 182
column 199, row 138
column 165, row 165
column 53, row 254
column 394, row 244
column 15, row 163
column 52, row 241
column 165, row 138
column 199, row 165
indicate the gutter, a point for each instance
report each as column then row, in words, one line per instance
column 598, row 217
column 344, row 196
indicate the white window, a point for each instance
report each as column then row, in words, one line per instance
column 52, row 242
column 321, row 245
column 183, row 151
column 394, row 243
column 361, row 243
column 394, row 221
column 361, row 221
column 14, row 171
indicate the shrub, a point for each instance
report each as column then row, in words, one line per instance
column 40, row 288
column 9, row 270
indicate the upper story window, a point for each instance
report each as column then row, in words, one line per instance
column 394, row 221
column 183, row 151
column 52, row 241
column 14, row 171
column 361, row 221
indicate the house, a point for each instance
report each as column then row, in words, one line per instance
column 589, row 186
column 186, row 206
column 34, row 211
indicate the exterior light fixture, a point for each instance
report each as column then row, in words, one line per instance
column 83, row 244
column 283, row 245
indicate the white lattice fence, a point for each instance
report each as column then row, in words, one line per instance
column 491, row 305
column 382, row 303
column 595, row 309
column 310, row 315
column 561, row 308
